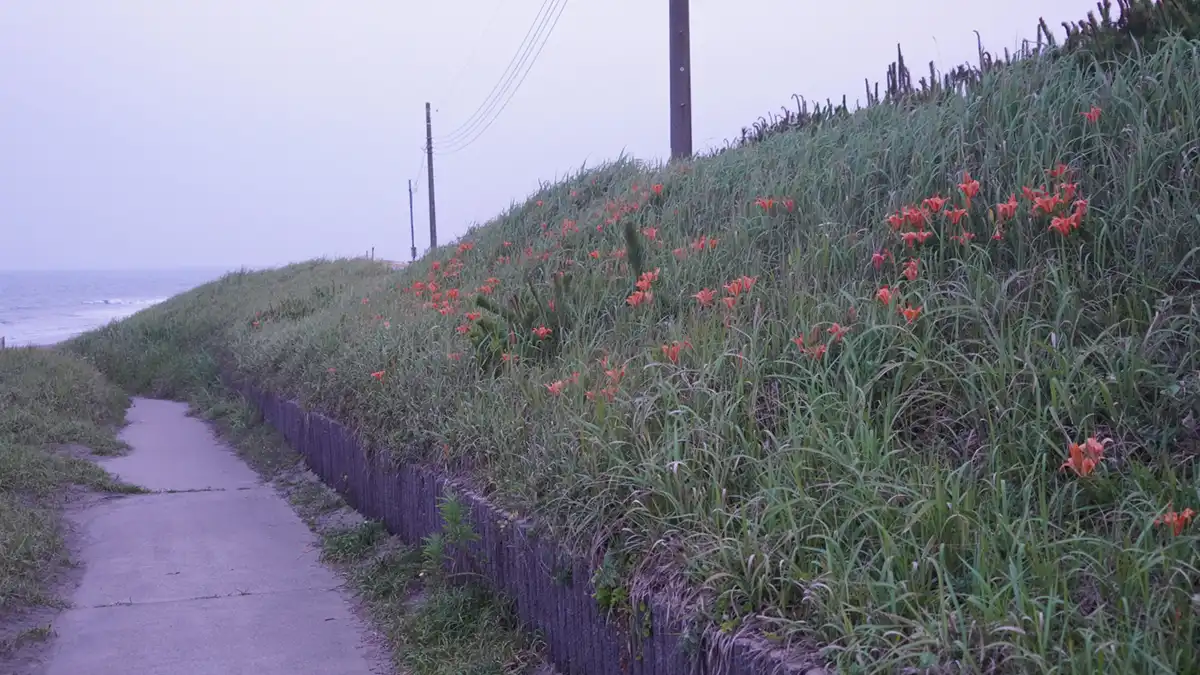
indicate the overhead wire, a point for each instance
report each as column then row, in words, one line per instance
column 468, row 136
column 510, row 71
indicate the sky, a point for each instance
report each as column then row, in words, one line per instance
column 139, row 134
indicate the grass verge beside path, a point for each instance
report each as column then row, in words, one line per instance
column 432, row 627
column 54, row 409
column 921, row 388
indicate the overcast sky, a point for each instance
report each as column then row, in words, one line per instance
column 153, row 133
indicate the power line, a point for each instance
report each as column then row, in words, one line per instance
column 506, row 76
column 460, row 144
column 456, row 79
column 467, row 133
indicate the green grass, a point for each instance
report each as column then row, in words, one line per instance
column 432, row 627
column 47, row 399
column 896, row 500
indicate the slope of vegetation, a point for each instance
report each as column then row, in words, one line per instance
column 47, row 400
column 959, row 435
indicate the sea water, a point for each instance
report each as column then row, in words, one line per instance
column 45, row 307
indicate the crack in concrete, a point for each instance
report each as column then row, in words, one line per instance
column 214, row 596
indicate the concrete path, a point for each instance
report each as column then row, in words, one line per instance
column 214, row 575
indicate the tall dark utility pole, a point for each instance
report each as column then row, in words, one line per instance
column 681, row 81
column 429, row 159
column 412, row 233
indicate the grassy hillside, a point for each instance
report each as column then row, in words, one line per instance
column 985, row 468
column 46, row 400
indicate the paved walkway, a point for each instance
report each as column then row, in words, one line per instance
column 214, row 575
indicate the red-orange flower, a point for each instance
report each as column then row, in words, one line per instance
column 1079, row 208
column 915, row 217
column 647, row 278
column 969, row 187
column 1006, row 210
column 910, row 313
column 473, row 316
column 671, row 351
column 1061, row 225
column 729, row 301
column 639, row 297
column 704, row 297
column 651, row 233
column 1092, row 115
column 837, row 331
column 765, row 202
column 1047, row 203
column 1058, row 171
column 542, row 332
column 595, row 255
column 885, row 295
column 658, row 188
column 963, row 237
column 878, row 258
column 910, row 269
column 934, row 203
column 916, row 237
column 464, row 329
column 1082, row 458
column 377, row 375
column 1176, row 521
column 955, row 215
column 366, row 300
column 896, row 220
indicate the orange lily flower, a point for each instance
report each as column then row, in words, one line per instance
column 885, row 295
column 955, row 215
column 969, row 187
column 1176, row 521
column 639, row 297
column 911, row 313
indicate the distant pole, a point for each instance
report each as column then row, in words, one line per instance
column 412, row 233
column 429, row 159
column 681, row 81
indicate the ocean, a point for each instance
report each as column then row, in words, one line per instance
column 42, row 308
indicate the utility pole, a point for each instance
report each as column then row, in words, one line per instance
column 412, row 233
column 429, row 159
column 681, row 81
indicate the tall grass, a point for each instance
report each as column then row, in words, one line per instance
column 896, row 500
column 47, row 399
